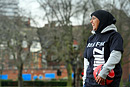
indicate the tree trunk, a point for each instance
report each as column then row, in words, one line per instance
column 69, row 71
column 121, row 82
column 20, row 79
column 0, row 83
column 0, row 77
column 77, row 76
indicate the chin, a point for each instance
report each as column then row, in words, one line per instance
column 94, row 29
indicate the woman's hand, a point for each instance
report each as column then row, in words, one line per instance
column 100, row 80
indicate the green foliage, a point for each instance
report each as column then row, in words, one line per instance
column 128, row 84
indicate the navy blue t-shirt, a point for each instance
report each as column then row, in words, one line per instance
column 97, row 51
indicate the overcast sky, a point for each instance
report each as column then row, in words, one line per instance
column 32, row 7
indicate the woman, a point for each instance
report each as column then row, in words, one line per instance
column 105, row 47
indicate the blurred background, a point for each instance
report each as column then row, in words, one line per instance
column 42, row 41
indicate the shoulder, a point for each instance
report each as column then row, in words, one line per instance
column 113, row 34
column 116, row 35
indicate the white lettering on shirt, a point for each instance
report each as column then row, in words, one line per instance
column 95, row 44
column 99, row 57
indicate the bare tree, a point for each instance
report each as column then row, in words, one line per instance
column 62, row 11
column 12, row 35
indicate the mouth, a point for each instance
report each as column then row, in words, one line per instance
column 92, row 24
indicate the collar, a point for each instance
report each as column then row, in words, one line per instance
column 108, row 28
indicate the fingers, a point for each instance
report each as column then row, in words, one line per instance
column 100, row 80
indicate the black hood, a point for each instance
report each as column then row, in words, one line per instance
column 105, row 18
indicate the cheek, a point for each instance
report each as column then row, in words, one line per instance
column 97, row 24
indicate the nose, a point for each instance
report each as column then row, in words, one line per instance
column 91, row 21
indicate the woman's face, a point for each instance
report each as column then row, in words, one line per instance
column 95, row 22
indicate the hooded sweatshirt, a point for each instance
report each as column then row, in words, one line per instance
column 103, row 47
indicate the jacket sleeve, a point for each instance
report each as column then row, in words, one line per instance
column 86, row 63
column 115, row 57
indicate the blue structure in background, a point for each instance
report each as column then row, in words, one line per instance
column 72, row 75
column 40, row 77
column 4, row 77
column 35, row 77
column 26, row 77
column 50, row 75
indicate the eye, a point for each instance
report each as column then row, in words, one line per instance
column 93, row 18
